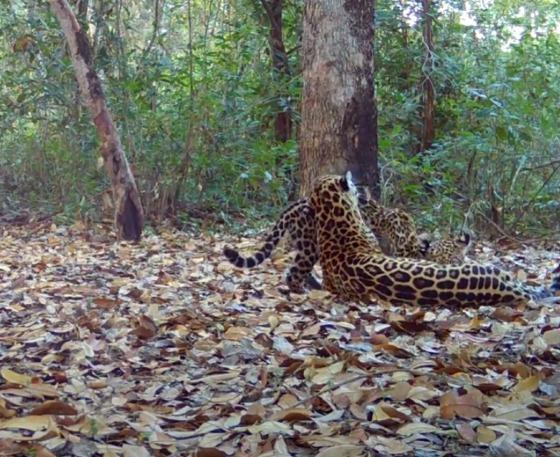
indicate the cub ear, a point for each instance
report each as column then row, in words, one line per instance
column 425, row 242
column 364, row 195
column 424, row 246
column 466, row 238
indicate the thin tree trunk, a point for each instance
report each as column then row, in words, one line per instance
column 339, row 117
column 129, row 215
column 283, row 119
column 156, row 25
column 100, row 13
column 428, row 93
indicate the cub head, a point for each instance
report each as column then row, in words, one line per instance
column 424, row 240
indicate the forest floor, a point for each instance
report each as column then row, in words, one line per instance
column 163, row 348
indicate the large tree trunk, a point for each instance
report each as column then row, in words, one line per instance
column 129, row 215
column 339, row 117
column 283, row 118
column 427, row 85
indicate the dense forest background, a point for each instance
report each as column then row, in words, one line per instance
column 195, row 94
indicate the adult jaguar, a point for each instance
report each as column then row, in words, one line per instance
column 354, row 269
column 394, row 228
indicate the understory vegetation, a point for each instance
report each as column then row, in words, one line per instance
column 193, row 91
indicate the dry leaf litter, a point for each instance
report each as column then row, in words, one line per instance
column 165, row 349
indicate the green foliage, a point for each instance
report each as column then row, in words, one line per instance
column 194, row 97
column 194, row 107
column 496, row 102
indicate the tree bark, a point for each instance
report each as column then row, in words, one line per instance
column 280, row 65
column 81, row 6
column 339, row 116
column 427, row 85
column 129, row 215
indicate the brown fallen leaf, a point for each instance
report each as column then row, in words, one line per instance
column 209, row 452
column 469, row 405
column 399, row 392
column 41, row 390
column 97, row 384
column 59, row 377
column 5, row 412
column 389, row 446
column 292, row 415
column 506, row 314
column 410, row 327
column 236, row 333
column 250, row 419
column 106, row 303
column 519, row 369
column 145, row 328
column 395, row 350
column 343, row 450
column 287, row 401
column 395, row 413
column 54, row 407
column 513, row 412
column 378, row 339
column 32, row 423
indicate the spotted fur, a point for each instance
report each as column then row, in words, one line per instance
column 449, row 250
column 352, row 269
column 298, row 221
column 394, row 230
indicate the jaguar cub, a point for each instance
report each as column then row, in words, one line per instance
column 397, row 235
column 394, row 228
column 354, row 269
column 449, row 250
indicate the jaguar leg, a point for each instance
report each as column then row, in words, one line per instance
column 296, row 280
column 301, row 272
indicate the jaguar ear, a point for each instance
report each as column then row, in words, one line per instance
column 424, row 246
column 348, row 185
column 346, row 181
column 364, row 195
column 466, row 238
